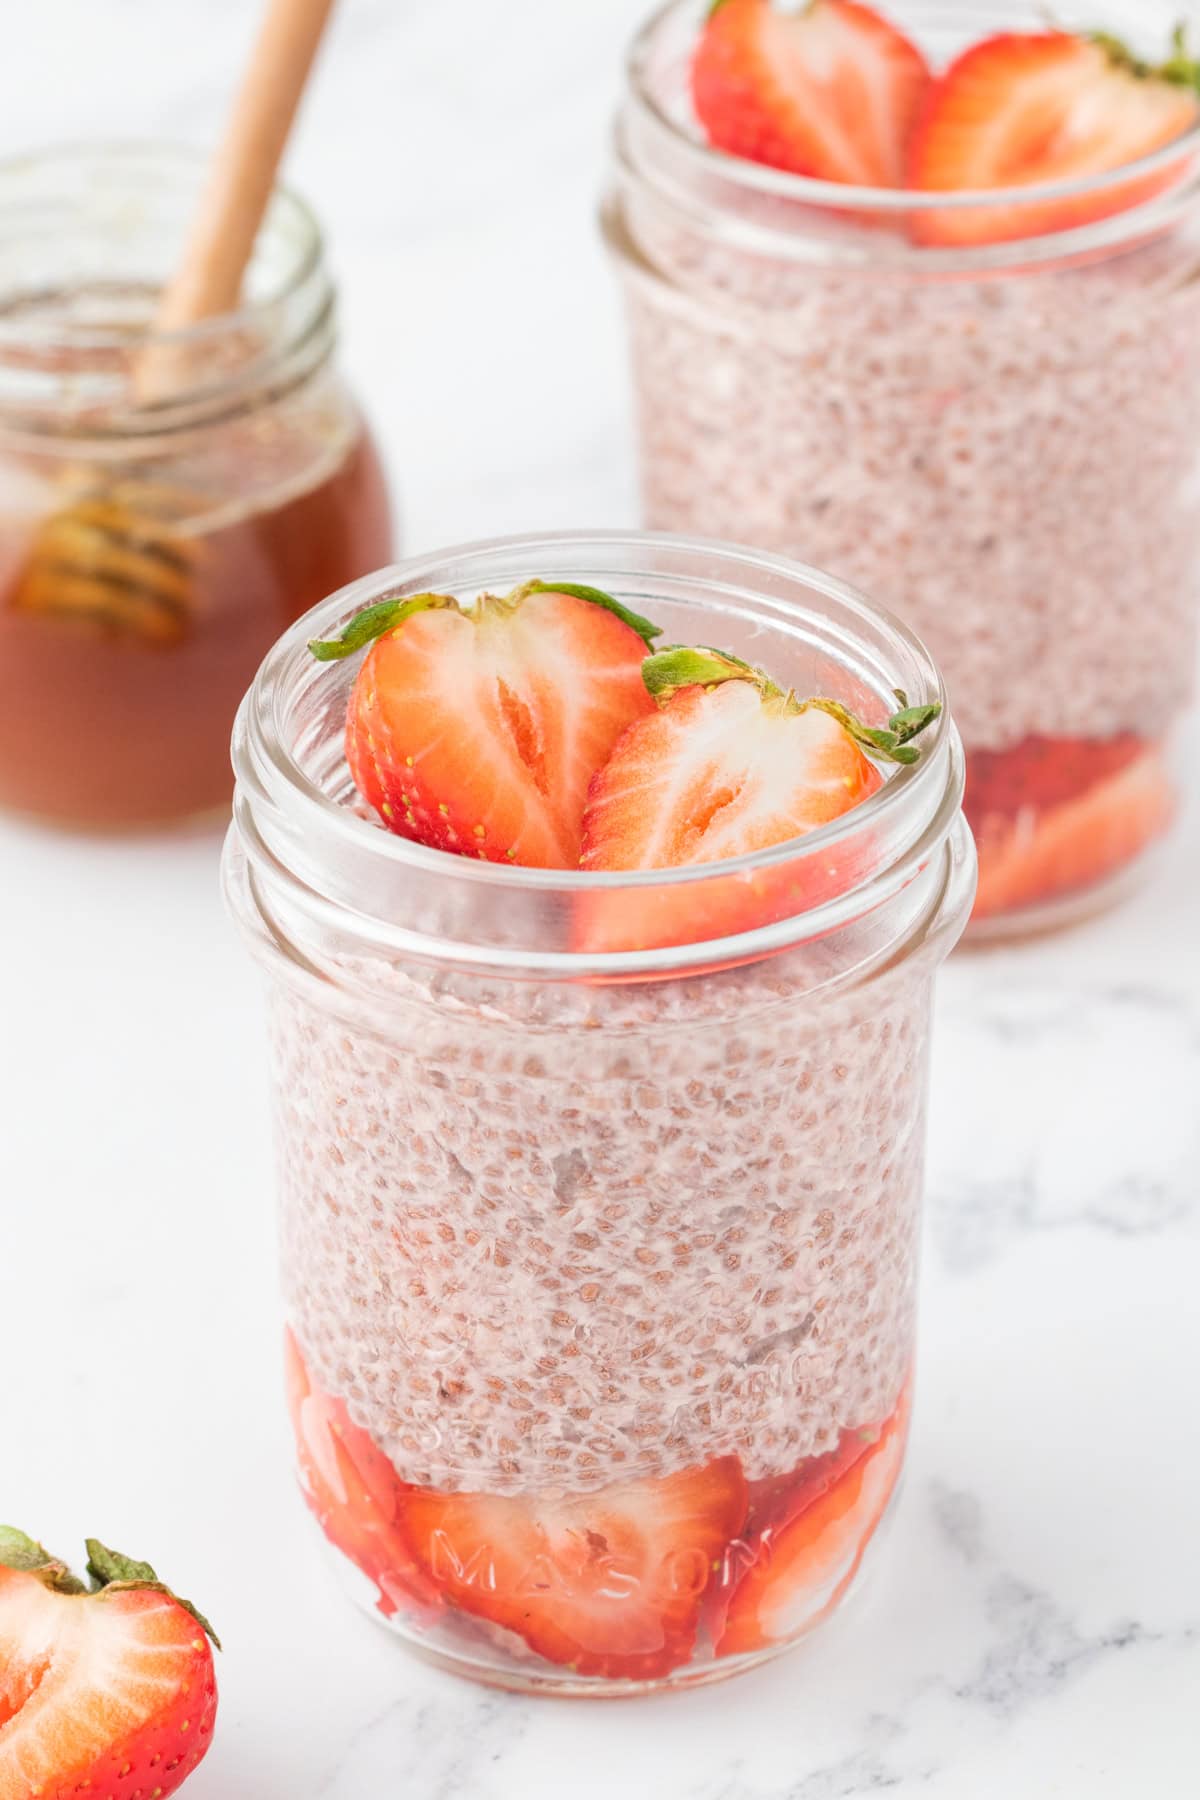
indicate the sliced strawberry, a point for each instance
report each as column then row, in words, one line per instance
column 727, row 765
column 110, row 1692
column 607, row 1584
column 478, row 731
column 830, row 91
column 778, row 1499
column 1022, row 109
column 1040, row 855
column 771, row 1505
column 353, row 1491
column 719, row 772
column 802, row 1566
column 1040, row 773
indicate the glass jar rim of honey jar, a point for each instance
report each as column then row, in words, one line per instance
column 88, row 236
column 169, row 501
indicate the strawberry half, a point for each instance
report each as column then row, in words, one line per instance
column 727, row 764
column 353, row 1491
column 478, row 730
column 804, row 1564
column 108, row 1692
column 830, row 91
column 1020, row 109
column 607, row 1584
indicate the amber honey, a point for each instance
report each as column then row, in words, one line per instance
column 157, row 536
column 105, row 724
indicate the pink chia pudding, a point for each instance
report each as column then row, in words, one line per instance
column 583, row 1220
column 600, row 1268
column 999, row 442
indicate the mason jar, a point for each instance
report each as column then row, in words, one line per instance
column 600, row 1264
column 1001, row 441
column 169, row 502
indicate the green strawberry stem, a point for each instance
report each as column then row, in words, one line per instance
column 691, row 665
column 682, row 665
column 388, row 615
column 645, row 630
column 1181, row 68
column 106, row 1569
column 373, row 621
column 890, row 742
column 28, row 1557
column 110, row 1569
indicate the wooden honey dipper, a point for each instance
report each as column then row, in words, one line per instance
column 113, row 552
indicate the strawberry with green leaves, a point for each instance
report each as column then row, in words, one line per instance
column 106, row 1689
column 535, row 730
column 1021, row 109
column 833, row 90
column 478, row 729
column 727, row 764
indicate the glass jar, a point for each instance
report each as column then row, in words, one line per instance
column 1000, row 442
column 154, row 541
column 600, row 1267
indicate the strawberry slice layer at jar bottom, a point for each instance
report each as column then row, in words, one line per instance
column 811, row 1541
column 609, row 1584
column 620, row 1584
column 354, row 1493
column 1040, row 852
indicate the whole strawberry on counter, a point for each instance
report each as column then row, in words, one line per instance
column 107, row 1690
column 477, row 729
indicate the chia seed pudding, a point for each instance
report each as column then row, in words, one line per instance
column 606, row 1233
column 585, row 1241
column 999, row 443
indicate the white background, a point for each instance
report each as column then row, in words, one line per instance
column 1036, row 1627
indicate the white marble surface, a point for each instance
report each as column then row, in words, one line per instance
column 1036, row 1626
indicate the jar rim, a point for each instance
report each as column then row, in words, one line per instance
column 85, row 221
column 117, row 154
column 759, row 181
column 283, row 815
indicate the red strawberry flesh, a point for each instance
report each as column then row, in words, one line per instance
column 718, row 773
column 805, row 1559
column 729, row 765
column 1023, row 109
column 353, row 1491
column 609, row 1584
column 830, row 91
column 1048, row 850
column 477, row 732
column 1042, row 772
